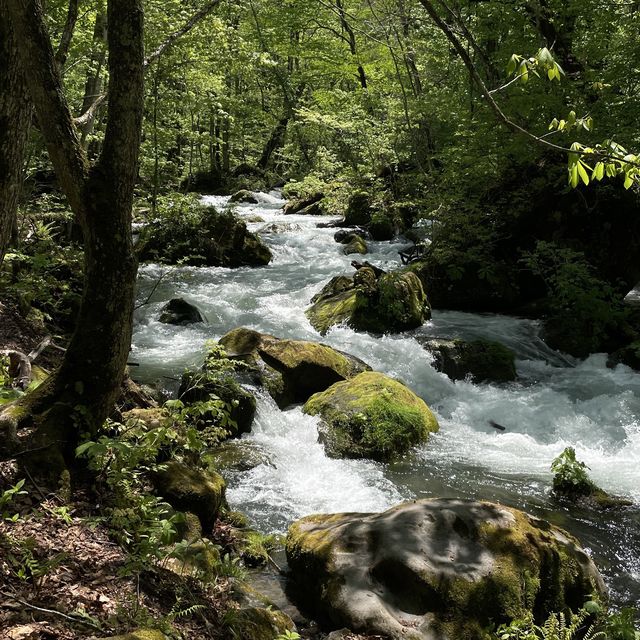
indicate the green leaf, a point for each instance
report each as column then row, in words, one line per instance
column 628, row 181
column 598, row 171
column 583, row 172
column 573, row 175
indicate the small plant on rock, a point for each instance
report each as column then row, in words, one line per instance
column 570, row 475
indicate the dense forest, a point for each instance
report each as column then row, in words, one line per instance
column 319, row 319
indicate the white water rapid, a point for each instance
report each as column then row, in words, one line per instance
column 556, row 402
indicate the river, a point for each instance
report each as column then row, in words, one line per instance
column 556, row 401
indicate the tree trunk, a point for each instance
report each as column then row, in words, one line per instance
column 80, row 395
column 15, row 112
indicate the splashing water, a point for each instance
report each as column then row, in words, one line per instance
column 556, row 402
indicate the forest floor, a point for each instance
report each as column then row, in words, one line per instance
column 63, row 577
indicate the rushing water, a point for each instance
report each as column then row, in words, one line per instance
column 556, row 401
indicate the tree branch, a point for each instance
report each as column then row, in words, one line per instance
column 493, row 105
column 67, row 33
column 182, row 31
column 42, row 76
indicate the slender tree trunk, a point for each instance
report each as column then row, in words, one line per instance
column 15, row 112
column 94, row 86
column 80, row 394
column 351, row 39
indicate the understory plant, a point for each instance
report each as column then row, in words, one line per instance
column 556, row 627
column 570, row 474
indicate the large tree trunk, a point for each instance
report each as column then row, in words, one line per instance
column 14, row 128
column 80, row 395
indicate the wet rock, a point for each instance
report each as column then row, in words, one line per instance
column 187, row 489
column 380, row 303
column 290, row 370
column 180, row 312
column 483, row 360
column 244, row 197
column 202, row 238
column 443, row 568
column 356, row 245
column 311, row 205
column 238, row 455
column 258, row 623
column 629, row 355
column 345, row 236
column 280, row 227
column 254, row 219
column 370, row 416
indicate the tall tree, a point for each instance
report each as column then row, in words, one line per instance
column 80, row 394
column 14, row 126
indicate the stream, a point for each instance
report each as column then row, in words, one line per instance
column 556, row 401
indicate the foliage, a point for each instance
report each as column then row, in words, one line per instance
column 556, row 627
column 622, row 625
column 588, row 307
column 570, row 474
column 7, row 497
column 123, row 460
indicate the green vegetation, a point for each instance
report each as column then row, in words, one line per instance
column 504, row 141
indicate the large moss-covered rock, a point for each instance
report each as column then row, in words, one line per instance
column 371, row 416
column 195, row 490
column 244, row 196
column 290, row 370
column 482, row 359
column 359, row 210
column 201, row 386
column 258, row 623
column 202, row 237
column 439, row 569
column 356, row 245
column 312, row 205
column 370, row 301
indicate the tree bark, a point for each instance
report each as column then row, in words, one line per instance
column 14, row 128
column 79, row 396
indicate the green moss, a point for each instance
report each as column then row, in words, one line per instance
column 371, row 416
column 255, row 547
column 324, row 314
column 254, row 623
column 356, row 245
column 187, row 489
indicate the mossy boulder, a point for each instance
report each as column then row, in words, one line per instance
column 180, row 312
column 236, row 455
column 257, row 623
column 290, row 370
column 243, row 196
column 377, row 302
column 202, row 237
column 371, row 416
column 444, row 568
column 359, row 210
column 356, row 245
column 187, row 489
column 629, row 355
column 199, row 387
column 484, row 360
column 309, row 205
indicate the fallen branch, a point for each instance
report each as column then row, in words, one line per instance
column 19, row 367
column 78, row 619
